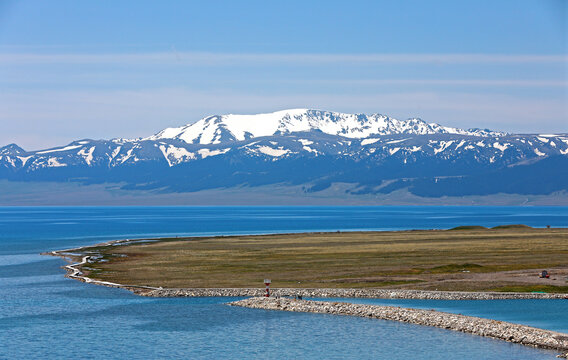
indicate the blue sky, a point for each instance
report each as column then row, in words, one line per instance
column 103, row 69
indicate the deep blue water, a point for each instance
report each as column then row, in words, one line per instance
column 43, row 315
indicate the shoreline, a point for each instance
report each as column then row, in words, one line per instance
column 349, row 293
column 514, row 333
column 73, row 270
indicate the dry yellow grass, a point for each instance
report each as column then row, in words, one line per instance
column 447, row 259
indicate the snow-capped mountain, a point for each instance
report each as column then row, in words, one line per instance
column 311, row 148
column 222, row 128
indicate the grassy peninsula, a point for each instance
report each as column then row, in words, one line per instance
column 507, row 258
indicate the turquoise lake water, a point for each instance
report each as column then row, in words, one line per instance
column 43, row 315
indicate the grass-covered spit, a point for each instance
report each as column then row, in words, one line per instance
column 503, row 259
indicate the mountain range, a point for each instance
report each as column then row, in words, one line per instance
column 313, row 149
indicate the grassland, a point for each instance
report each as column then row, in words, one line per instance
column 504, row 259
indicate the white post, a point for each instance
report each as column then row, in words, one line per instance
column 267, row 283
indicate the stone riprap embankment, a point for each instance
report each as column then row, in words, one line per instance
column 350, row 293
column 514, row 333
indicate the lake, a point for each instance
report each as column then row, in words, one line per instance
column 44, row 315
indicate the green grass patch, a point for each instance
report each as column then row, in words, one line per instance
column 453, row 268
column 512, row 226
column 469, row 227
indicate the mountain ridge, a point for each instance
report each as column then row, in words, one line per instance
column 428, row 160
column 216, row 129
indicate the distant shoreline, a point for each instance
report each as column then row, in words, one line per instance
column 50, row 193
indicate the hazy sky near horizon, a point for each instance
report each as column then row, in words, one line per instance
column 103, row 69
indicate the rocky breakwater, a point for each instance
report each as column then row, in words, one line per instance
column 514, row 333
column 349, row 293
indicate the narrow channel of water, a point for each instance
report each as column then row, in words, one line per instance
column 543, row 314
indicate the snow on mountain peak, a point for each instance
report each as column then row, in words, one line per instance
column 216, row 129
column 11, row 149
